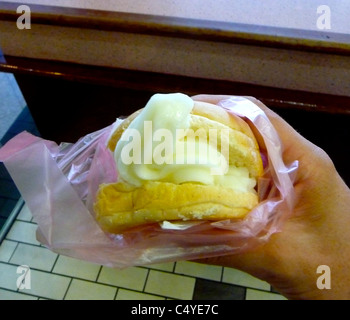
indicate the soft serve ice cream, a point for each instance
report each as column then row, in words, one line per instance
column 167, row 143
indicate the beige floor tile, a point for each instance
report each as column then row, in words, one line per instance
column 10, row 295
column 84, row 290
column 124, row 294
column 162, row 266
column 130, row 278
column 7, row 248
column 170, row 285
column 34, row 257
column 25, row 214
column 47, row 285
column 76, row 268
column 23, row 232
column 8, row 276
column 199, row 270
column 252, row 294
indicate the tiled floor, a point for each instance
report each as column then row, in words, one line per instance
column 58, row 277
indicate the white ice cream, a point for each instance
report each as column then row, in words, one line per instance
column 156, row 146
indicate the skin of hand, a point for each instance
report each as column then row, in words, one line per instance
column 318, row 232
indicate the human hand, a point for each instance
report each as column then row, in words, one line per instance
column 316, row 234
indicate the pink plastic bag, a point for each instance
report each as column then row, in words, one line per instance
column 59, row 185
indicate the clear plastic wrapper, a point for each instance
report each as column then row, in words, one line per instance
column 59, row 184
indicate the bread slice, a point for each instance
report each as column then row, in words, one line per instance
column 121, row 206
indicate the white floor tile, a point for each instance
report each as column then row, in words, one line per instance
column 199, row 270
column 130, row 278
column 34, row 257
column 8, row 276
column 47, row 285
column 76, row 268
column 23, row 232
column 252, row 294
column 25, row 214
column 7, row 248
column 170, row 285
column 84, row 290
column 124, row 294
column 240, row 278
column 10, row 295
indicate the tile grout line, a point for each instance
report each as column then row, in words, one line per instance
column 116, row 294
column 144, row 285
column 17, row 244
column 54, row 264
column 24, row 293
column 39, row 270
column 98, row 274
column 170, row 272
column 26, row 221
column 27, row 243
column 65, row 294
column 145, row 292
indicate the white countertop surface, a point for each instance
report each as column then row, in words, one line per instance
column 297, row 14
column 275, row 67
